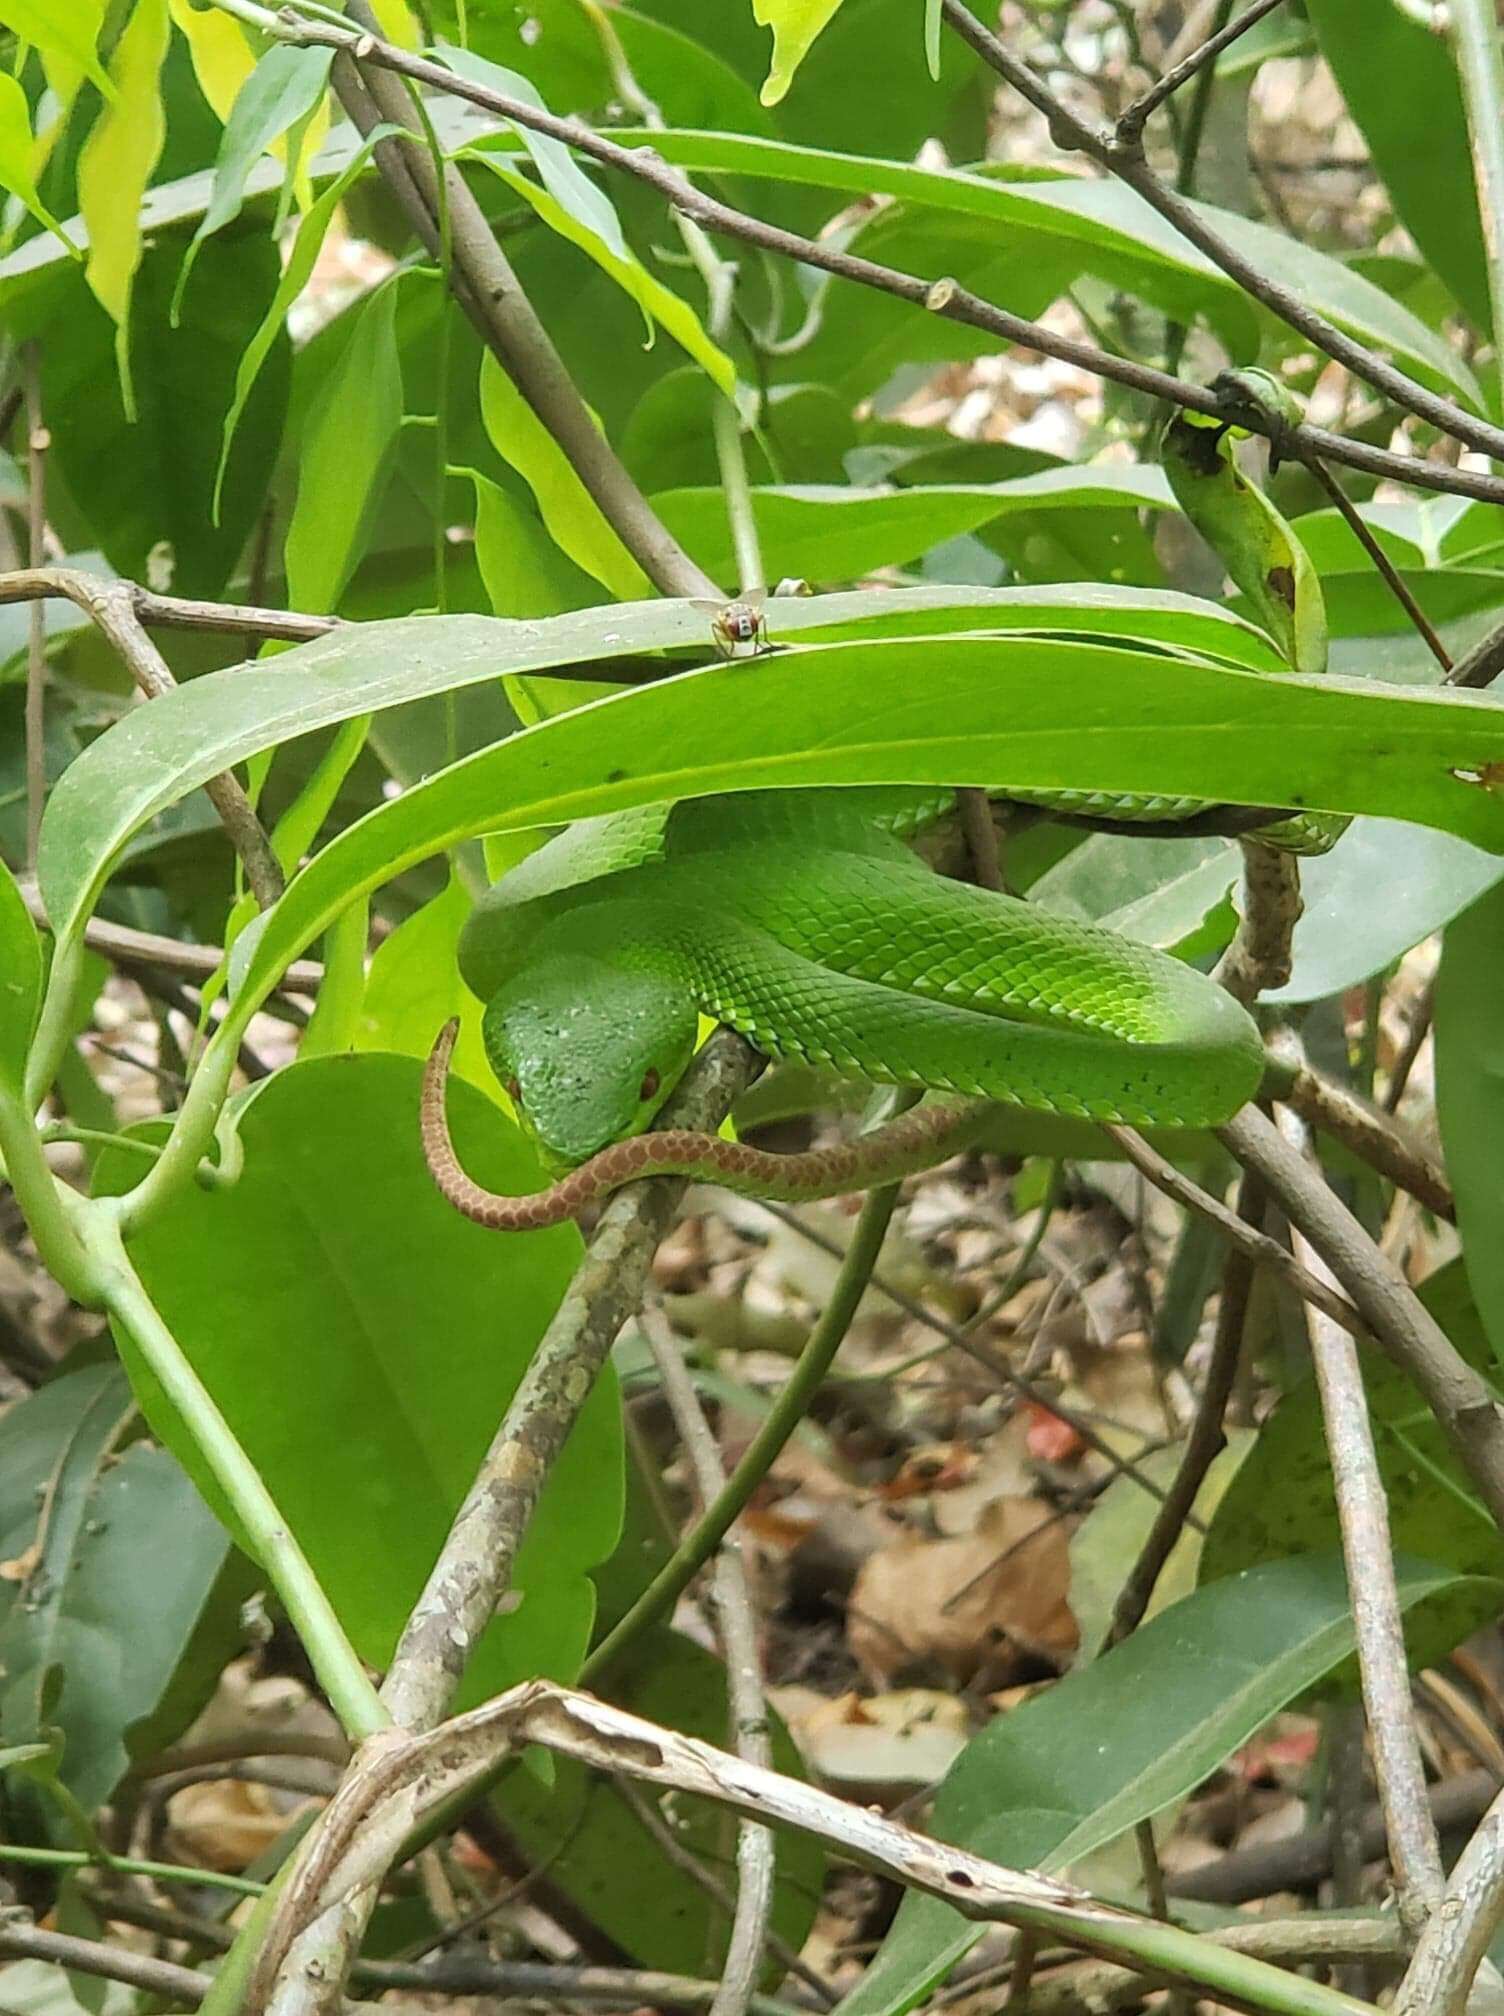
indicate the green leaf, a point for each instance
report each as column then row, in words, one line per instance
column 657, row 302
column 1123, row 1738
column 1470, row 1094
column 1160, row 892
column 346, row 452
column 575, row 521
column 283, row 88
column 563, row 177
column 334, row 1272
column 825, row 532
column 16, row 145
column 92, row 1636
column 1371, row 45
column 599, row 1855
column 795, row 24
column 20, row 983
column 116, row 165
column 1032, row 712
column 147, row 485
column 414, row 987
column 69, row 31
column 1348, row 931
column 1282, row 1503
column 295, row 275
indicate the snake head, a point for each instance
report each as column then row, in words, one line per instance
column 588, row 1051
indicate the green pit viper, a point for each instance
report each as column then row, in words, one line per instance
column 801, row 919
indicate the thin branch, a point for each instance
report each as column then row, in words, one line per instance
column 491, row 295
column 1456, row 1939
column 107, row 1963
column 1417, row 1029
column 1483, row 663
column 1126, row 161
column 1368, row 1551
column 783, row 1417
column 1470, row 1417
column 112, row 607
column 37, row 442
column 129, row 947
column 1301, row 1861
column 744, row 1683
column 1394, row 581
column 1374, row 1138
column 940, row 298
column 1130, row 124
column 168, row 612
column 1207, row 1438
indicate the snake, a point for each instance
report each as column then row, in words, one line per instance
column 803, row 920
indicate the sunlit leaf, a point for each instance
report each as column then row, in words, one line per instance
column 795, row 24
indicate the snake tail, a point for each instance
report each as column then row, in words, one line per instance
column 917, row 1140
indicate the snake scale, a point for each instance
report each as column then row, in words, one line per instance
column 801, row 919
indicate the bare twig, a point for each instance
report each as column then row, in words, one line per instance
column 112, row 605
column 168, row 612
column 1417, row 1029
column 1457, row 1937
column 975, row 808
column 104, row 1963
column 1130, row 124
column 1469, row 1416
column 1301, row 1860
column 744, row 1684
column 1396, row 583
column 1206, row 1438
column 942, row 298
column 1125, row 159
column 1374, row 1138
column 37, row 443
column 129, row 947
column 1368, row 1551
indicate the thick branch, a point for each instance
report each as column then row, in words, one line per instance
column 1456, row 1940
column 1374, row 1138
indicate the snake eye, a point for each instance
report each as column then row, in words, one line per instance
column 649, row 1085
column 513, row 1091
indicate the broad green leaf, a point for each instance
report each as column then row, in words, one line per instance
column 795, row 24
column 824, row 532
column 563, row 177
column 68, row 31
column 283, row 88
column 91, row 1635
column 1372, row 45
column 526, row 574
column 1281, row 1502
column 575, row 521
column 346, row 452
column 1383, row 888
column 295, row 275
column 15, row 156
column 335, row 1021
column 1470, row 1094
column 414, row 987
column 334, row 1272
column 1123, row 1738
column 147, row 485
column 1031, row 712
column 657, row 302
column 116, row 165
column 20, row 982
column 1068, row 227
column 599, row 1855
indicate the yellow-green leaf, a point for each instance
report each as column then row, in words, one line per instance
column 222, row 57
column 116, row 166
column 15, row 157
column 66, row 34
column 574, row 519
column 658, row 303
column 795, row 24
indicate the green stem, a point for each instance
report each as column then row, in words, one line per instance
column 55, row 1023
column 351, row 1694
column 125, row 1865
column 44, row 1207
column 1480, row 67
column 783, row 1418
column 192, row 1132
